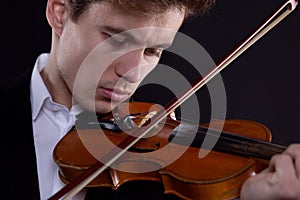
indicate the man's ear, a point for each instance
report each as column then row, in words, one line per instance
column 55, row 12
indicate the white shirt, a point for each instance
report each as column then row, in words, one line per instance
column 51, row 121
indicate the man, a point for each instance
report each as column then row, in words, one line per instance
column 48, row 107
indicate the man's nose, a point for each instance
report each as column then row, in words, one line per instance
column 128, row 66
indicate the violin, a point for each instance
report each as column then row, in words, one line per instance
column 218, row 175
column 142, row 141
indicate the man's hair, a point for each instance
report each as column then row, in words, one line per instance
column 146, row 7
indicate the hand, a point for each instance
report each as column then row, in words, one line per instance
column 281, row 180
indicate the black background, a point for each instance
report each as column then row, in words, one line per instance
column 261, row 85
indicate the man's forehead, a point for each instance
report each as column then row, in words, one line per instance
column 143, row 8
column 170, row 18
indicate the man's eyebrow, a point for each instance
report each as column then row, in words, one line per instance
column 125, row 32
column 113, row 29
column 117, row 30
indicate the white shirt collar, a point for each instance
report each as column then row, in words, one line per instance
column 39, row 93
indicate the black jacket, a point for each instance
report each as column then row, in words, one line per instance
column 18, row 172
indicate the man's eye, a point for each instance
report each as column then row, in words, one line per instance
column 153, row 52
column 115, row 40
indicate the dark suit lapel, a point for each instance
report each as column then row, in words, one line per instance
column 18, row 161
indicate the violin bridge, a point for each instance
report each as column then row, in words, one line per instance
column 146, row 118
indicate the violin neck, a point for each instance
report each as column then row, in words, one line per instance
column 225, row 142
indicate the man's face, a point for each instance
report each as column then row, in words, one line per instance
column 112, row 63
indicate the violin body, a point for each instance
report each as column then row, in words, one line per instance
column 217, row 175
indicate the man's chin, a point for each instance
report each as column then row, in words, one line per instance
column 103, row 107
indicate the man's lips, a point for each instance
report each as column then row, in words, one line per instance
column 114, row 95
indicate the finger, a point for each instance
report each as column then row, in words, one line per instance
column 282, row 167
column 294, row 151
